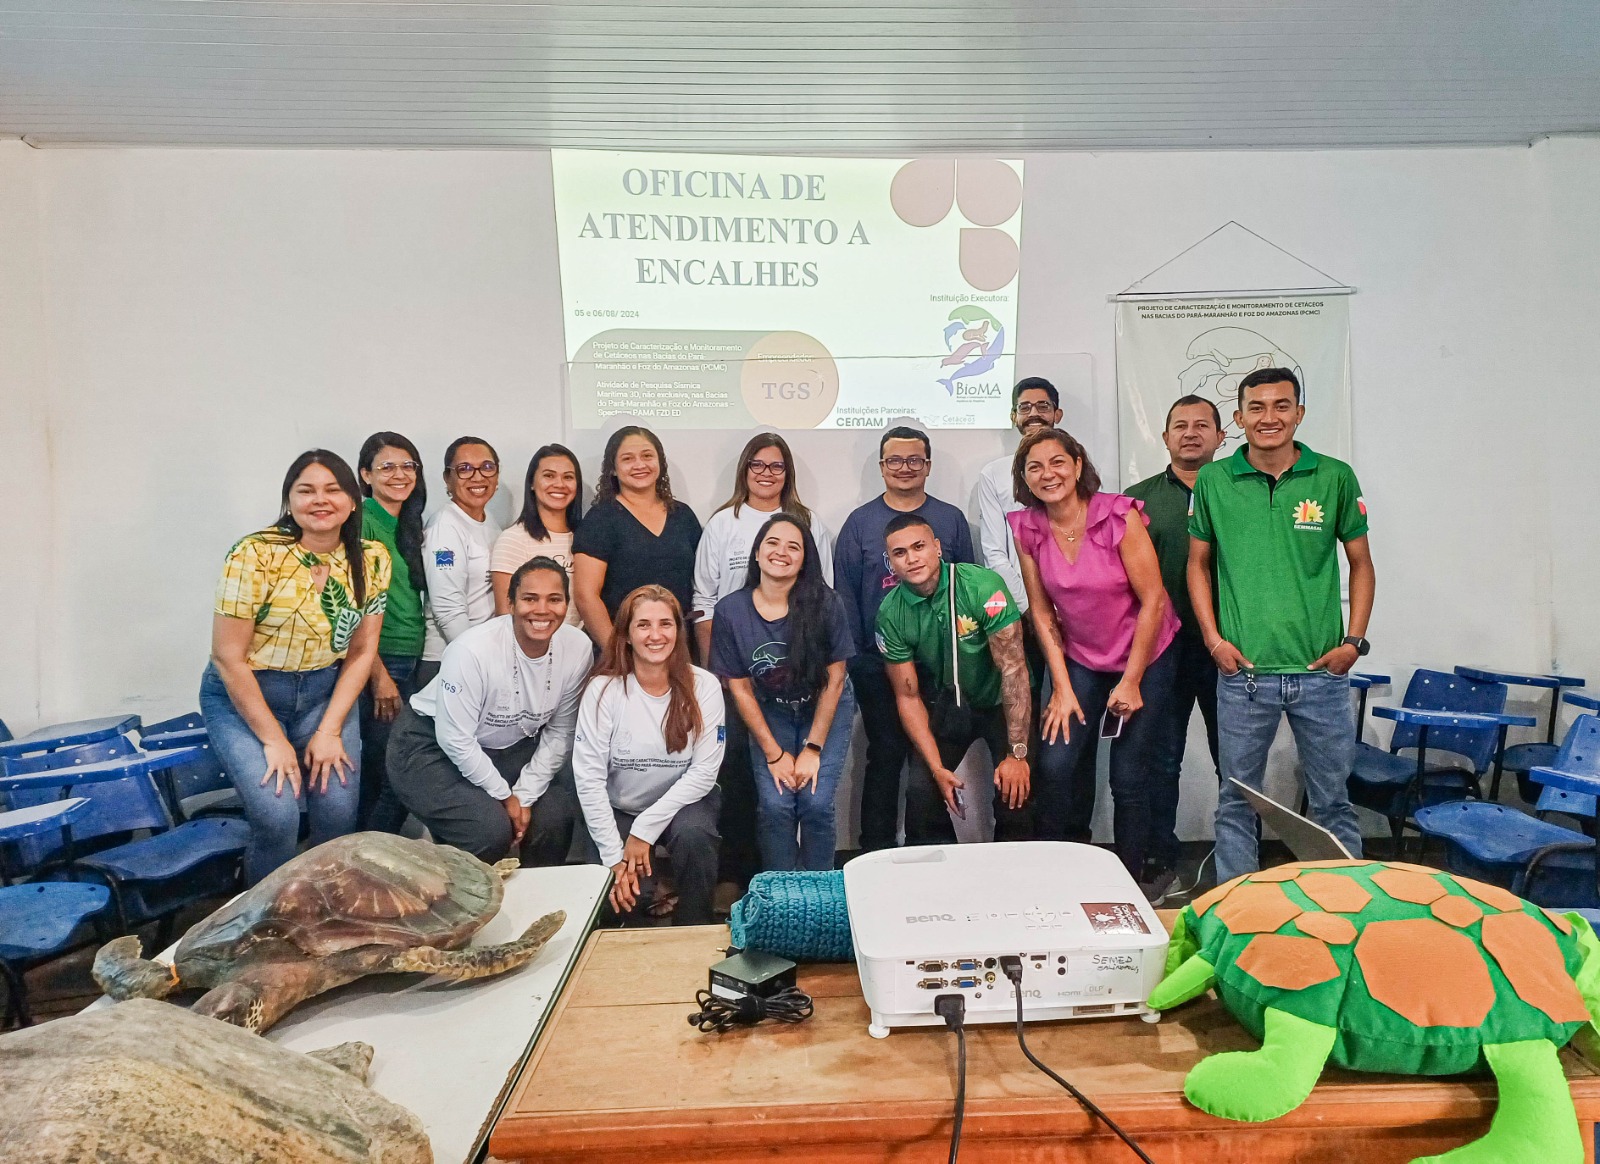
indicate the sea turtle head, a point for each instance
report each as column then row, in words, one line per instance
column 240, row 1003
column 1587, row 1040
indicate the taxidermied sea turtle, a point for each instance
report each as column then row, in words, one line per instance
column 145, row 1082
column 367, row 903
column 1380, row 966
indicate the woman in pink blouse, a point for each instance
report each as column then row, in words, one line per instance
column 1096, row 599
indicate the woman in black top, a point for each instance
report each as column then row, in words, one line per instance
column 635, row 535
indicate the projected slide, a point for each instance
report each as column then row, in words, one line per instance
column 735, row 292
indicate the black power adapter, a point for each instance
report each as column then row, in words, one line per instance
column 748, row 987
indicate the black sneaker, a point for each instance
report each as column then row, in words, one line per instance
column 1157, row 882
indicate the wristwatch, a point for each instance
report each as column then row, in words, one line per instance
column 812, row 746
column 1019, row 751
column 1360, row 644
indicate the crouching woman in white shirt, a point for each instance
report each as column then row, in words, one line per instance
column 479, row 755
column 645, row 760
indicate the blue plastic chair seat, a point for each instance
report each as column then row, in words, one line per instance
column 1376, row 766
column 38, row 919
column 175, row 851
column 1568, row 803
column 1493, row 833
column 26, row 822
column 1526, row 757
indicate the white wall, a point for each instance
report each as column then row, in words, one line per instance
column 175, row 325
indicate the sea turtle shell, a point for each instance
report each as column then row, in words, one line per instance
column 1393, row 956
column 361, row 890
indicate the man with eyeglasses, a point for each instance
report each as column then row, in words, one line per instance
column 1035, row 404
column 862, row 576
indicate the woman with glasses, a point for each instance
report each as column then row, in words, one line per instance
column 763, row 484
column 457, row 547
column 781, row 644
column 294, row 630
column 391, row 515
column 636, row 533
column 552, row 509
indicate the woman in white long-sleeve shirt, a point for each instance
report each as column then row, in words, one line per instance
column 645, row 759
column 477, row 755
column 457, row 547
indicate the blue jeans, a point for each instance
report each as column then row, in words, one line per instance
column 1067, row 768
column 297, row 699
column 1248, row 710
column 780, row 815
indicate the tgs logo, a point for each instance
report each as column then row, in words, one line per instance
column 918, row 919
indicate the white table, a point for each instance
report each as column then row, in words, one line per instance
column 450, row 1052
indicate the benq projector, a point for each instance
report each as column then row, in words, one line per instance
column 934, row 919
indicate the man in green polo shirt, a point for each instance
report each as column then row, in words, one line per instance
column 1192, row 434
column 1269, row 519
column 914, row 631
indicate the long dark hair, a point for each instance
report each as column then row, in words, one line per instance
column 1088, row 476
column 529, row 517
column 789, row 499
column 606, row 488
column 408, row 532
column 810, row 608
column 350, row 531
column 683, row 720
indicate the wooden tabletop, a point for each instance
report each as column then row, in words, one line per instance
column 620, row 1074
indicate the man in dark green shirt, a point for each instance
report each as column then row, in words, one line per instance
column 913, row 630
column 1272, row 518
column 1193, row 433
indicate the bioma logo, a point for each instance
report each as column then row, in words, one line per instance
column 975, row 340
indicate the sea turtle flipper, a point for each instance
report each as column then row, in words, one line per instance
column 1265, row 1084
column 475, row 961
column 1190, row 980
column 123, row 974
column 1535, row 1122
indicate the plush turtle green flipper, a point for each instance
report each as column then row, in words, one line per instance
column 1265, row 1084
column 1535, row 1122
column 1188, row 974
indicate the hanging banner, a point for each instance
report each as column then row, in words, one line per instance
column 1167, row 348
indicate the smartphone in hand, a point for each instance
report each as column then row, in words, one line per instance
column 960, row 797
column 1111, row 725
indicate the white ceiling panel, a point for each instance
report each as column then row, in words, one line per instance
column 835, row 78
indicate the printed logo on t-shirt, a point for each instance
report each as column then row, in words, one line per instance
column 1361, row 504
column 722, row 733
column 889, row 580
column 996, row 604
column 1308, row 515
column 966, row 626
column 444, row 559
column 448, row 686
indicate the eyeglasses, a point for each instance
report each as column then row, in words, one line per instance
column 913, row 463
column 1040, row 408
column 760, row 468
column 485, row 470
column 396, row 468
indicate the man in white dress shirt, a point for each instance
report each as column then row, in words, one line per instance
column 480, row 755
column 1035, row 403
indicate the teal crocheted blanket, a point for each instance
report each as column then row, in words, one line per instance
column 796, row 915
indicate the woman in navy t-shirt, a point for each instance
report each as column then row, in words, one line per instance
column 782, row 643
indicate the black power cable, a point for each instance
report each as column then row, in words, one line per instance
column 719, row 1014
column 1012, row 965
column 953, row 1009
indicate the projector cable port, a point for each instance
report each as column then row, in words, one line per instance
column 1011, row 964
column 953, row 1009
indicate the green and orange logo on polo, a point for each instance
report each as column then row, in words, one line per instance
column 1308, row 515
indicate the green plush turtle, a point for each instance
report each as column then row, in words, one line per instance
column 1377, row 966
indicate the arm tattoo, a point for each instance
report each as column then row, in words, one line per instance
column 1015, row 693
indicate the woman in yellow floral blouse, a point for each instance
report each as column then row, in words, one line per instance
column 294, row 633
